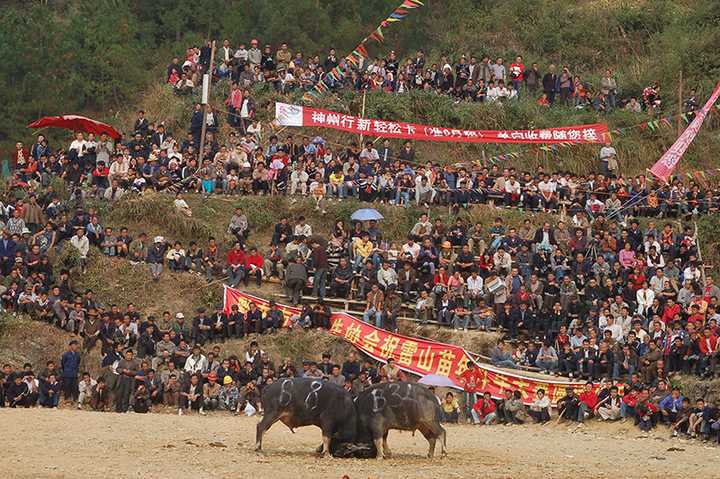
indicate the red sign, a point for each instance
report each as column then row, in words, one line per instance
column 294, row 115
column 667, row 163
column 416, row 355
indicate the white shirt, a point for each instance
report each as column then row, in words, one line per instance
column 645, row 299
column 193, row 364
column 303, row 230
column 80, row 146
column 413, row 250
column 616, row 330
column 475, row 284
column 606, row 152
column 81, row 244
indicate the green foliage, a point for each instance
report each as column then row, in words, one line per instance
column 94, row 57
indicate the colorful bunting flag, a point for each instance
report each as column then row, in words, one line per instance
column 360, row 51
column 378, row 35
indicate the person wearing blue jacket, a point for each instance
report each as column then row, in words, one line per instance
column 70, row 365
column 670, row 406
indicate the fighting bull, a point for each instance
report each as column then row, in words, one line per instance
column 308, row 402
column 403, row 406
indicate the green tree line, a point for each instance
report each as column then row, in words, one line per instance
column 98, row 56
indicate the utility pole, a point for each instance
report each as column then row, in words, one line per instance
column 680, row 104
column 206, row 106
column 362, row 115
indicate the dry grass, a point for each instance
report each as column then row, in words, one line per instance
column 116, row 281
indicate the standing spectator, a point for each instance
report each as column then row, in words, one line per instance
column 127, row 368
column 549, row 84
column 70, row 365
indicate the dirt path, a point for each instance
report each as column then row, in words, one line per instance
column 67, row 443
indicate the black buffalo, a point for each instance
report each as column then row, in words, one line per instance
column 401, row 405
column 304, row 402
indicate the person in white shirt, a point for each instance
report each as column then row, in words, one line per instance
column 85, row 388
column 369, row 152
column 614, row 328
column 78, row 145
column 302, row 228
column 82, row 245
column 493, row 92
column 196, row 362
column 645, row 297
column 474, row 285
column 181, row 205
column 412, row 248
column 692, row 273
column 422, row 228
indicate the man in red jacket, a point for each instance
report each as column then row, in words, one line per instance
column 671, row 309
column 708, row 345
column 470, row 380
column 588, row 401
column 235, row 265
column 629, row 403
column 253, row 267
column 483, row 411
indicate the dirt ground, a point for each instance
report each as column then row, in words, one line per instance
column 68, row 443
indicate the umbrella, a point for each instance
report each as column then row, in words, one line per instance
column 318, row 140
column 366, row 214
column 77, row 123
column 437, row 380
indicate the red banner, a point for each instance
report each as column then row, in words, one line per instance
column 415, row 355
column 667, row 163
column 295, row 115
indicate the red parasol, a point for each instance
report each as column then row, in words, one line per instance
column 77, row 123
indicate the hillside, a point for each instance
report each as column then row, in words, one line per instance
column 99, row 56
column 106, row 59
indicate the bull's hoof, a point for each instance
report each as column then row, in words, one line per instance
column 379, row 457
column 387, row 454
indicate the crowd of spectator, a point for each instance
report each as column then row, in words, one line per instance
column 469, row 77
column 156, row 371
column 646, row 405
column 606, row 292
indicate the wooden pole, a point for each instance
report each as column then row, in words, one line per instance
column 362, row 115
column 680, row 104
column 205, row 108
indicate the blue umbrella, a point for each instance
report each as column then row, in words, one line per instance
column 366, row 214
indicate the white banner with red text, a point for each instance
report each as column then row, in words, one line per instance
column 295, row 115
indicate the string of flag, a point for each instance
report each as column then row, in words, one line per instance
column 360, row 52
column 652, row 125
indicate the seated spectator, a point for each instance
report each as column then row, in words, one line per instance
column 483, row 411
column 450, row 409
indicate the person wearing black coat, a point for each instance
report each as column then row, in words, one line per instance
column 549, row 83
column 49, row 392
column 146, row 343
column 17, row 393
column 568, row 405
